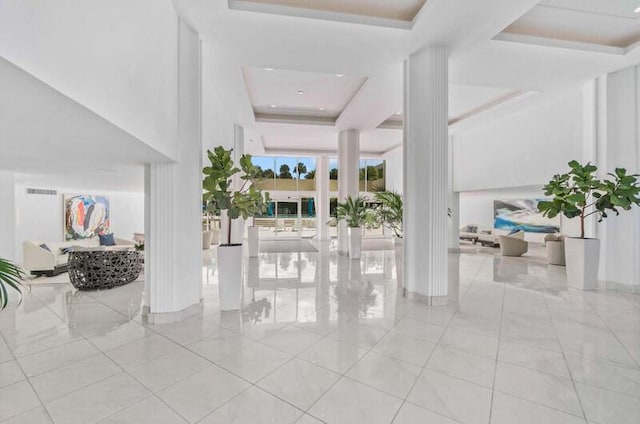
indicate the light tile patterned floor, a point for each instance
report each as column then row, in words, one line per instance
column 326, row 339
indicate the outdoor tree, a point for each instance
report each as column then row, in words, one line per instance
column 333, row 174
column 300, row 169
column 310, row 175
column 285, row 172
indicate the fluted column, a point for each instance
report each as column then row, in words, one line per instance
column 173, row 204
column 348, row 173
column 425, row 173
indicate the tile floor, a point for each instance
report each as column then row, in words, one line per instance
column 326, row 339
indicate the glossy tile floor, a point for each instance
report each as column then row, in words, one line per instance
column 326, row 339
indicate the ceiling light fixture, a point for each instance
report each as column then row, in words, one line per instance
column 322, row 109
column 637, row 10
column 268, row 69
column 273, row 106
column 339, row 75
column 300, row 91
column 398, row 113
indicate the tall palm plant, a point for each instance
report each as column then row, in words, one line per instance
column 389, row 211
column 11, row 276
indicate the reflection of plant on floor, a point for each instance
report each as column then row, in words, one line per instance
column 11, row 276
column 355, row 300
column 255, row 310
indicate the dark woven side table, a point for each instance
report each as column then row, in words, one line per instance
column 104, row 269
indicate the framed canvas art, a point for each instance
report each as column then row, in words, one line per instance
column 523, row 214
column 85, row 216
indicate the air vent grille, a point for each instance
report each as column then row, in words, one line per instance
column 42, row 191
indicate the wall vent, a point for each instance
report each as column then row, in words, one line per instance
column 43, row 191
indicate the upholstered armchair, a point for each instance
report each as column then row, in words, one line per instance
column 513, row 245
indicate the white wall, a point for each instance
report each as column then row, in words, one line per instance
column 41, row 217
column 7, row 215
column 523, row 149
column 117, row 58
column 393, row 170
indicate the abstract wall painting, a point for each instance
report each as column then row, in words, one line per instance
column 85, row 216
column 523, row 214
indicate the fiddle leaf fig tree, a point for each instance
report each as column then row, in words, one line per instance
column 246, row 202
column 579, row 193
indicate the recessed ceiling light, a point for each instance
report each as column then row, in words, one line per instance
column 339, row 75
column 323, row 109
column 637, row 10
column 398, row 113
column 300, row 91
column 273, row 106
column 268, row 69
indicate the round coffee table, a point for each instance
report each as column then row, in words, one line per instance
column 104, row 269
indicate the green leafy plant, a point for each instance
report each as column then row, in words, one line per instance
column 389, row 211
column 11, row 276
column 579, row 193
column 355, row 212
column 246, row 202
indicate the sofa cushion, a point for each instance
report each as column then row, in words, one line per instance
column 62, row 260
column 107, row 240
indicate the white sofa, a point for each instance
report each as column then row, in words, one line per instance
column 38, row 260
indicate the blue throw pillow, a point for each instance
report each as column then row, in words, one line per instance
column 107, row 240
column 45, row 247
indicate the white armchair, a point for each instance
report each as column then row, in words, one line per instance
column 513, row 245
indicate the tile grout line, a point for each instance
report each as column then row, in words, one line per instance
column 495, row 371
column 566, row 363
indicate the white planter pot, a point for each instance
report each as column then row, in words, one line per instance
column 355, row 242
column 230, row 276
column 253, row 241
column 555, row 253
column 207, row 237
column 582, row 257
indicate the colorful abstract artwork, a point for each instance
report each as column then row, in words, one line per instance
column 85, row 216
column 523, row 215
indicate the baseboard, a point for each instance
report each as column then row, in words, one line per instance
column 427, row 300
column 170, row 317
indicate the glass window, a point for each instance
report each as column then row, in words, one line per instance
column 285, row 174
column 375, row 175
column 333, row 175
column 267, row 170
column 305, row 171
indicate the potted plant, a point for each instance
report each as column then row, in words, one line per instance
column 242, row 203
column 356, row 214
column 389, row 212
column 579, row 193
column 11, row 276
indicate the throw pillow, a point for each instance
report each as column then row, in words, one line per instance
column 45, row 247
column 66, row 250
column 107, row 240
column 515, row 230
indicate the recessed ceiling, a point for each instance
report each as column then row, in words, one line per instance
column 280, row 95
column 610, row 23
column 393, row 13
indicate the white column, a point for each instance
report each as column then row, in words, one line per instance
column 173, row 203
column 237, row 230
column 322, row 198
column 454, row 204
column 425, row 173
column 8, row 216
column 617, row 106
column 348, row 172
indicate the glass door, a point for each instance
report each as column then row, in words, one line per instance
column 288, row 218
